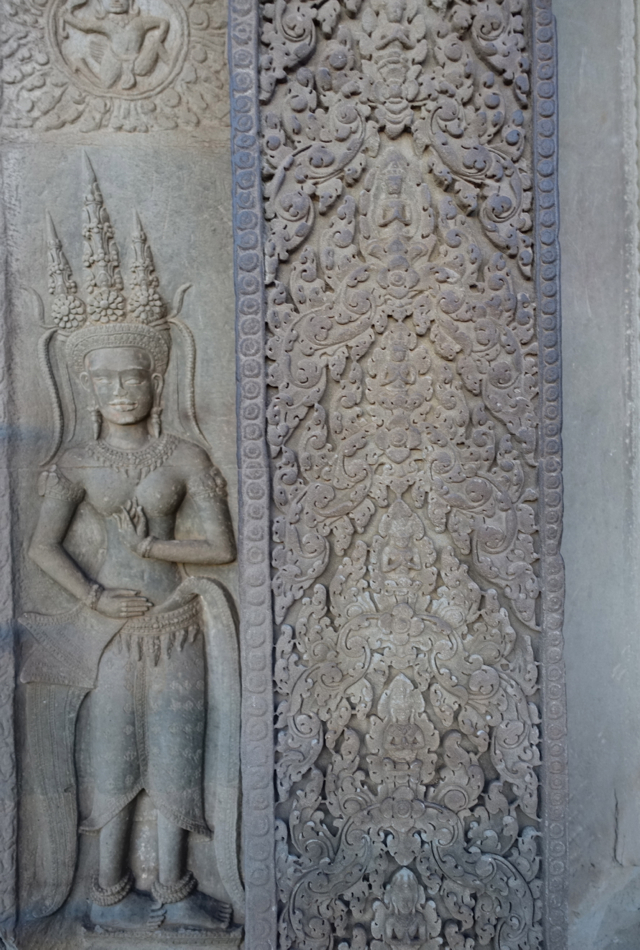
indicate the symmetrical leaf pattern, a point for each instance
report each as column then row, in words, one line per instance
column 403, row 427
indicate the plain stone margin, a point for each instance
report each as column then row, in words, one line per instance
column 630, row 92
column 8, row 778
column 554, row 777
column 256, row 631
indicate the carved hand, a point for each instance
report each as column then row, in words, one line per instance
column 120, row 602
column 133, row 527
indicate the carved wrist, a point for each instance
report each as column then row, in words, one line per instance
column 144, row 548
column 92, row 598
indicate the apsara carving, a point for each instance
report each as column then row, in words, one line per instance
column 403, row 426
column 126, row 65
column 136, row 658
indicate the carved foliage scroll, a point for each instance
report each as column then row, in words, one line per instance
column 403, row 423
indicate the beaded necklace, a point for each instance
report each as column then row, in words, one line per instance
column 134, row 463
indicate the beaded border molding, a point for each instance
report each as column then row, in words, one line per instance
column 256, row 631
column 554, row 778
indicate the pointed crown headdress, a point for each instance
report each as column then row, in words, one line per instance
column 107, row 318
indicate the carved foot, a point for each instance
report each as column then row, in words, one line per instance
column 196, row 912
column 133, row 912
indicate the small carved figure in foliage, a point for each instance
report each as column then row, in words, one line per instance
column 400, row 921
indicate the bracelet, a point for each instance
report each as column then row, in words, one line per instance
column 92, row 598
column 143, row 549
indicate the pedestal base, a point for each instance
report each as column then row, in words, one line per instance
column 161, row 939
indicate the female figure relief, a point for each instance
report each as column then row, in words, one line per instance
column 139, row 634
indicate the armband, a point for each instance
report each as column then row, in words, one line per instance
column 210, row 484
column 53, row 484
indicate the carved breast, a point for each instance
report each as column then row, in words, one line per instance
column 160, row 493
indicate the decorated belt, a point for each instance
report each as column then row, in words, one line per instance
column 183, row 618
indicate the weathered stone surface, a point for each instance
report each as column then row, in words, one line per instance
column 411, row 355
column 598, row 158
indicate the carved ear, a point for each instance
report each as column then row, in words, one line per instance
column 158, row 385
column 85, row 381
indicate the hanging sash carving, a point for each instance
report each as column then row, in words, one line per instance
column 403, row 422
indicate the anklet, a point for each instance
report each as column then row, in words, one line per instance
column 108, row 896
column 172, row 893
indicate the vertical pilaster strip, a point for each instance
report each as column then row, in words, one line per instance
column 554, row 743
column 256, row 635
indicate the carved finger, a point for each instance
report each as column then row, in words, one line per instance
column 127, row 516
column 140, row 522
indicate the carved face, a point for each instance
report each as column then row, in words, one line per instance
column 404, row 893
column 116, row 6
column 395, row 10
column 123, row 382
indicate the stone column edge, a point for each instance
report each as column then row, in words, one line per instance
column 256, row 633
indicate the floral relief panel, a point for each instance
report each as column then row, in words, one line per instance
column 411, row 426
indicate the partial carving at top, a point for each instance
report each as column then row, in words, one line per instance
column 129, row 65
column 115, row 46
column 459, row 89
